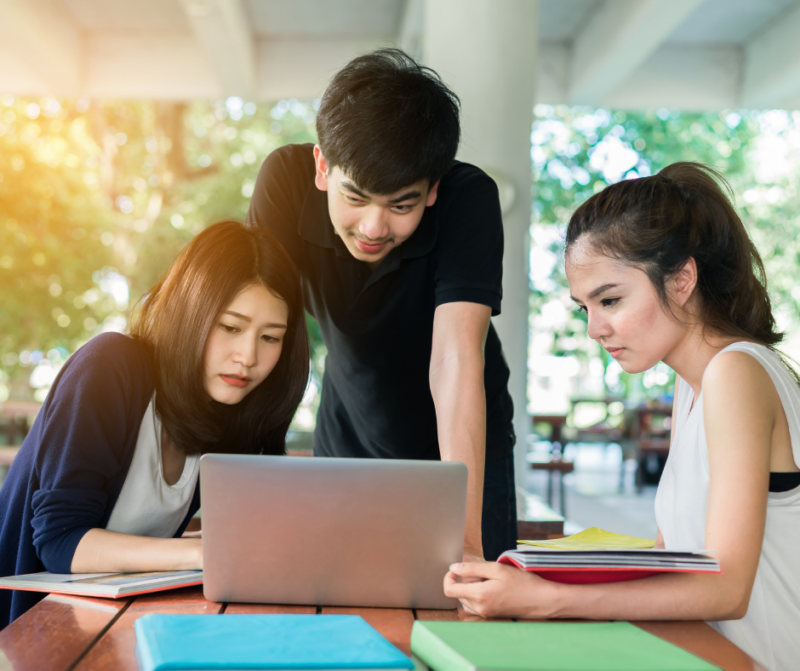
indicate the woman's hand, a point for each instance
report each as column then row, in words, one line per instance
column 490, row 589
column 472, row 554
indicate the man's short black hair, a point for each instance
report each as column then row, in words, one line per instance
column 388, row 122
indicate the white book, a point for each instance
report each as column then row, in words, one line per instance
column 107, row 585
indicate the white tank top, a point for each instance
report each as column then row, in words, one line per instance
column 770, row 631
column 147, row 505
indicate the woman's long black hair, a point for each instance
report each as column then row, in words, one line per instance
column 175, row 319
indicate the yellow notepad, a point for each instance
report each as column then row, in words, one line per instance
column 595, row 539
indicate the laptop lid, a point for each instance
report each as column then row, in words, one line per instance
column 327, row 531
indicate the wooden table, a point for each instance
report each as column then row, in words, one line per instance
column 64, row 633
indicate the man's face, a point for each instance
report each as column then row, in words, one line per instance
column 371, row 225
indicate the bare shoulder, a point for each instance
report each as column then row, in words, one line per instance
column 738, row 380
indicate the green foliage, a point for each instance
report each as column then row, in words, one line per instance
column 55, row 233
column 204, row 172
column 97, row 189
column 565, row 141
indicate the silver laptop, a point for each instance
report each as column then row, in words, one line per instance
column 334, row 532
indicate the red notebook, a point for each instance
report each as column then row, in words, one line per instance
column 581, row 567
column 106, row 585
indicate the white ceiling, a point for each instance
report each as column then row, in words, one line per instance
column 559, row 20
column 312, row 18
column 629, row 53
column 109, row 16
column 730, row 21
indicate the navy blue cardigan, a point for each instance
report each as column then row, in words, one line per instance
column 73, row 463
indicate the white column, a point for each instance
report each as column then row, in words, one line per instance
column 486, row 50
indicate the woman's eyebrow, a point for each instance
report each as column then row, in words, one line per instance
column 601, row 289
column 269, row 325
column 596, row 292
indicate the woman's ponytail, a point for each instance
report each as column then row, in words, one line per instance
column 658, row 223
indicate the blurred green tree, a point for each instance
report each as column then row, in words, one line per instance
column 55, row 234
column 92, row 192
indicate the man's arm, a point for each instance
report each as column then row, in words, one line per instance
column 456, row 379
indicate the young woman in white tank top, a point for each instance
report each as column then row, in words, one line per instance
column 665, row 271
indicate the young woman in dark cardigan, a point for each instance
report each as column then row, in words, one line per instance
column 216, row 361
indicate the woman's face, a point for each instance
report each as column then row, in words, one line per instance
column 625, row 314
column 245, row 344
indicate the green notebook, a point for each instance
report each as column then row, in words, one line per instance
column 547, row 646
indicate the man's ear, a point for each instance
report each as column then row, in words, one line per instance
column 321, row 178
column 684, row 282
column 433, row 193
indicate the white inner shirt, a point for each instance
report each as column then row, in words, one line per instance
column 147, row 505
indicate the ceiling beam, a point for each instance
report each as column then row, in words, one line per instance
column 772, row 63
column 222, row 31
column 166, row 66
column 616, row 40
column 690, row 77
column 313, row 63
column 159, row 66
column 48, row 43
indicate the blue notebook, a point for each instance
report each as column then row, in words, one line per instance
column 285, row 642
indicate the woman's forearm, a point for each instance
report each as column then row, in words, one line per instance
column 101, row 551
column 678, row 596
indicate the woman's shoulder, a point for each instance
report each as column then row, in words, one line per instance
column 737, row 363
column 742, row 376
column 113, row 351
column 743, row 361
column 115, row 346
column 111, row 371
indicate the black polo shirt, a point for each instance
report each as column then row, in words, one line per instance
column 378, row 327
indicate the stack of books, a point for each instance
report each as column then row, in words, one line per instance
column 581, row 567
column 595, row 556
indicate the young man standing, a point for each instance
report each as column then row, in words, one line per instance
column 400, row 251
